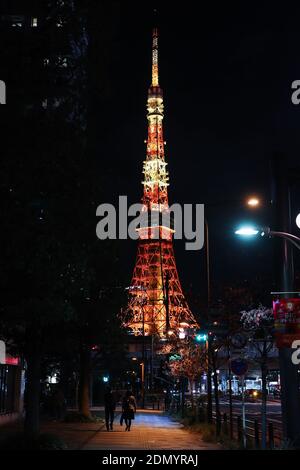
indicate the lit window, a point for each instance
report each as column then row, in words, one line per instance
column 17, row 21
column 62, row 61
column 34, row 22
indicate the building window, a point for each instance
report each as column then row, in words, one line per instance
column 34, row 22
column 17, row 21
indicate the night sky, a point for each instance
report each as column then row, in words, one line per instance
column 226, row 76
column 226, row 73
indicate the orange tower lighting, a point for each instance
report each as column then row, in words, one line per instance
column 156, row 304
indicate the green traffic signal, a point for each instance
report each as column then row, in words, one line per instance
column 201, row 337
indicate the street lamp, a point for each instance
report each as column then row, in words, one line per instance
column 248, row 231
column 298, row 220
column 253, row 202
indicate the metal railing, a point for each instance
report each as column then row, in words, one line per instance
column 252, row 430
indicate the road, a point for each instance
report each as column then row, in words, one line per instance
column 253, row 412
column 150, row 430
column 253, row 409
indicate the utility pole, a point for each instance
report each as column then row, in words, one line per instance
column 208, row 345
column 289, row 376
column 230, row 388
column 143, row 361
column 167, row 287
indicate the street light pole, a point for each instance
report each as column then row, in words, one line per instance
column 167, row 305
column 143, row 361
column 289, row 377
column 230, row 388
column 208, row 346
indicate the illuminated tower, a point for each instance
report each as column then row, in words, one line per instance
column 156, row 302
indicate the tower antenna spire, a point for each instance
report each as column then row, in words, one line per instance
column 155, row 57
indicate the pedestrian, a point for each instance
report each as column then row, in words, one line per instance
column 110, row 406
column 128, row 409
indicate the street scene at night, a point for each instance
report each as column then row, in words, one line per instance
column 150, row 269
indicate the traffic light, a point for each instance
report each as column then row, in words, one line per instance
column 201, row 337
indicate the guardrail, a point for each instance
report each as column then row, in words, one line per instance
column 252, row 430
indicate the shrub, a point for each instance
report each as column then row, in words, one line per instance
column 42, row 442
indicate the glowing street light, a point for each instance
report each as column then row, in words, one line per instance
column 253, row 202
column 247, row 231
column 298, row 220
column 181, row 333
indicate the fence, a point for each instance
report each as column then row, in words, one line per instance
column 252, row 430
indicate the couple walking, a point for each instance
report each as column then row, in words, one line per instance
column 128, row 409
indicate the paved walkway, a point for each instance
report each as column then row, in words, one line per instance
column 150, row 430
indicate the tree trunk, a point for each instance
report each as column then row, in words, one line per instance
column 264, row 406
column 191, row 383
column 182, row 397
column 84, row 381
column 32, row 394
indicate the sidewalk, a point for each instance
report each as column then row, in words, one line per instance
column 150, row 430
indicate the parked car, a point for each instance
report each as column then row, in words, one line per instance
column 253, row 394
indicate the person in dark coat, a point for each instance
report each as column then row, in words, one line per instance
column 128, row 409
column 110, row 406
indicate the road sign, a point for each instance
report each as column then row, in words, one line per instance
column 239, row 366
column 238, row 341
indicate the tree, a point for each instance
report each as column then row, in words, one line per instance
column 186, row 360
column 258, row 324
column 39, row 179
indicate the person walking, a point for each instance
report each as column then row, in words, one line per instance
column 110, row 406
column 128, row 409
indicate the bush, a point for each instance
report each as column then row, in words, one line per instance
column 42, row 442
column 208, row 432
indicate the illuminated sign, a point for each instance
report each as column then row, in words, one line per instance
column 286, row 321
column 12, row 361
column 2, row 353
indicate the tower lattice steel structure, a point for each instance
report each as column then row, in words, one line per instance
column 156, row 302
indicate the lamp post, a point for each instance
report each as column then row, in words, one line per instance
column 249, row 231
column 207, row 343
column 143, row 361
column 167, row 305
column 289, row 377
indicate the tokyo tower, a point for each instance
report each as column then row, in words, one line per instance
column 156, row 304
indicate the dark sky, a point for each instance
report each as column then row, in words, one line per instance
column 226, row 75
